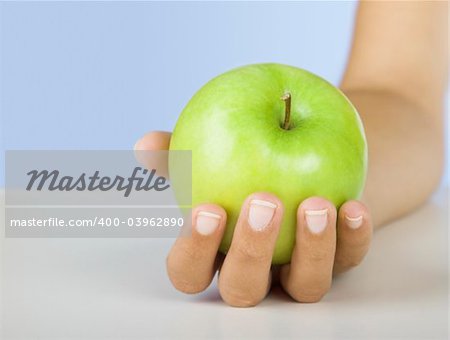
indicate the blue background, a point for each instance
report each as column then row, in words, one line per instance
column 79, row 75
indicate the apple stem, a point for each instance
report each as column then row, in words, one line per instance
column 287, row 110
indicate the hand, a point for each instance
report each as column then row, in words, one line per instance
column 327, row 242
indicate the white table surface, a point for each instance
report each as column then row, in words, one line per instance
column 118, row 289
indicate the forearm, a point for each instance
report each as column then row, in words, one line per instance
column 396, row 77
column 405, row 153
column 401, row 46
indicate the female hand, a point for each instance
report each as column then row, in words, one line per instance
column 327, row 242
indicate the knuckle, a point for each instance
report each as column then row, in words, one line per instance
column 317, row 257
column 320, row 255
column 189, row 251
column 249, row 253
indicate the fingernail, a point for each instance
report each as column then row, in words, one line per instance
column 260, row 214
column 316, row 220
column 354, row 222
column 207, row 222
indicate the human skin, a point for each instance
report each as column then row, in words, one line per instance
column 396, row 77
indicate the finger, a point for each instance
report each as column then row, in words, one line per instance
column 354, row 235
column 191, row 263
column 308, row 277
column 154, row 141
column 244, row 279
column 150, row 151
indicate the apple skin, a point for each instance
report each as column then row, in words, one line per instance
column 233, row 125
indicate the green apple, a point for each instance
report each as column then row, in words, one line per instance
column 272, row 128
